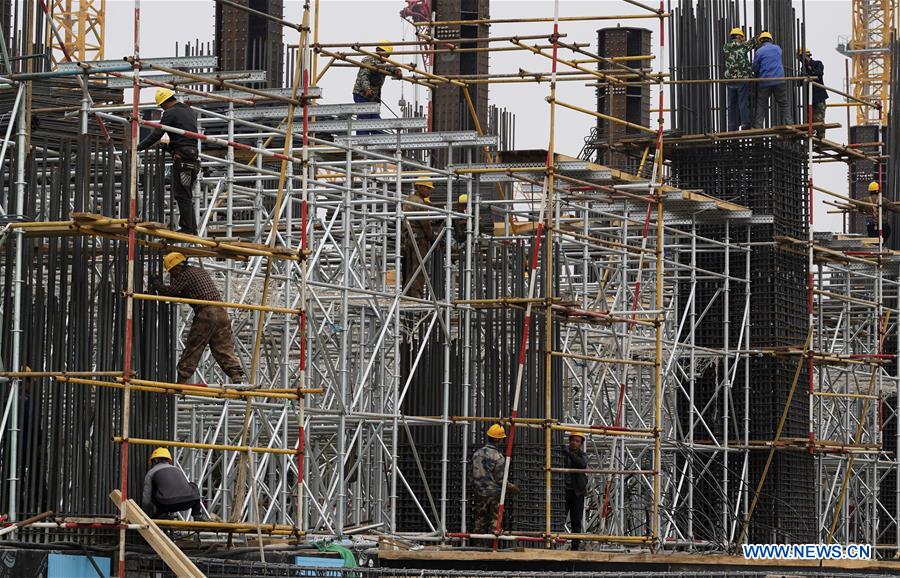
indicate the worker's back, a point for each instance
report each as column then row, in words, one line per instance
column 165, row 484
column 192, row 283
column 180, row 116
column 487, row 471
column 767, row 63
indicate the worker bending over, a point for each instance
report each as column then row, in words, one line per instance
column 576, row 484
column 816, row 69
column 167, row 490
column 737, row 67
column 369, row 81
column 421, row 239
column 185, row 158
column 487, row 479
column 767, row 65
column 211, row 325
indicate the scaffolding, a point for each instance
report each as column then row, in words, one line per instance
column 562, row 295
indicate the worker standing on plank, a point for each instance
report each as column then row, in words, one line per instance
column 872, row 222
column 816, row 69
column 211, row 325
column 576, row 484
column 487, row 479
column 370, row 79
column 167, row 490
column 737, row 67
column 421, row 239
column 185, row 158
column 767, row 64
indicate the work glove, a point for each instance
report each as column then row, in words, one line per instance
column 513, row 489
column 369, row 93
column 155, row 282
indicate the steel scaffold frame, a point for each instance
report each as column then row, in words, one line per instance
column 621, row 311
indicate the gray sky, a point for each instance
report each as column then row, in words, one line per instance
column 373, row 20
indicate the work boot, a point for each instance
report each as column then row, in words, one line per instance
column 201, row 517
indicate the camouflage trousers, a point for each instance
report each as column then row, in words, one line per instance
column 211, row 327
column 818, row 114
column 484, row 513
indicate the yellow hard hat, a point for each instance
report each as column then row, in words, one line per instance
column 463, row 199
column 736, row 31
column 386, row 46
column 160, row 453
column 424, row 182
column 766, row 36
column 573, row 434
column 172, row 259
column 802, row 51
column 874, row 187
column 163, row 94
column 496, row 432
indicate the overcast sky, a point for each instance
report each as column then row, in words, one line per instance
column 165, row 22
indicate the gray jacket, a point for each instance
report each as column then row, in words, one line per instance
column 165, row 484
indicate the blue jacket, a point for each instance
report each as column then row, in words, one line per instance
column 767, row 63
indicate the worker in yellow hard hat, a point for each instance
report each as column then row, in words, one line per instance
column 167, row 491
column 576, row 482
column 875, row 226
column 210, row 327
column 417, row 237
column 183, row 148
column 488, row 465
column 370, row 79
column 767, row 64
column 737, row 70
column 460, row 225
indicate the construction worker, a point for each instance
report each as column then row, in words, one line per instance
column 210, row 326
column 370, row 79
column 459, row 223
column 576, row 483
column 185, row 158
column 737, row 67
column 167, row 490
column 872, row 220
column 421, row 239
column 815, row 69
column 767, row 64
column 487, row 479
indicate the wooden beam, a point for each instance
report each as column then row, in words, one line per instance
column 174, row 558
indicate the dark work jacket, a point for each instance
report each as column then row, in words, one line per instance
column 179, row 116
column 166, row 485
column 576, row 482
column 816, row 69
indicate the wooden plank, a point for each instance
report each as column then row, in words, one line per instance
column 174, row 558
column 702, row 197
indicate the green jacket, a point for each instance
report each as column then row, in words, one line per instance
column 367, row 79
column 737, row 62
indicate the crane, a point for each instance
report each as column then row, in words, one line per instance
column 81, row 23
